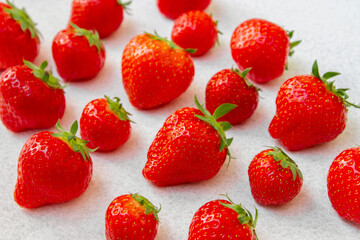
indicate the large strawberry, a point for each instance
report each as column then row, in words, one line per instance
column 155, row 70
column 309, row 111
column 191, row 146
column 263, row 46
column 19, row 38
column 52, row 168
column 131, row 216
column 173, row 9
column 78, row 53
column 274, row 177
column 30, row 97
column 103, row 16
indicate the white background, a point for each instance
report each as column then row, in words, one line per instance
column 330, row 33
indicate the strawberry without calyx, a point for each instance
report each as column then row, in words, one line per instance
column 173, row 9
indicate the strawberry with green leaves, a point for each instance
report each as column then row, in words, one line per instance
column 173, row 9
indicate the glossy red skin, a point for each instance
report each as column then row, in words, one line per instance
column 343, row 184
column 195, row 30
column 27, row 102
column 261, row 45
column 226, row 86
column 186, row 149
column 102, row 127
column 153, row 73
column 172, row 10
column 15, row 44
column 307, row 114
column 49, row 171
column 213, row 221
column 125, row 219
column 104, row 16
column 74, row 58
column 270, row 183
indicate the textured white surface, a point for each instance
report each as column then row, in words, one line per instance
column 330, row 32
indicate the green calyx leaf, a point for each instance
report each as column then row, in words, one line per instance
column 243, row 75
column 21, row 16
column 285, row 161
column 149, row 207
column 292, row 45
column 91, row 36
column 117, row 108
column 125, row 5
column 77, row 144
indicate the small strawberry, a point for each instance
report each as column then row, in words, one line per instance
column 223, row 219
column 103, row 16
column 52, row 168
column 309, row 111
column 131, row 216
column 274, row 177
column 231, row 86
column 343, row 184
column 191, row 146
column 196, row 30
column 78, row 53
column 155, row 70
column 19, row 39
column 173, row 9
column 30, row 97
column 263, row 46
column 105, row 124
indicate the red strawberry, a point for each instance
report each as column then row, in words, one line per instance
column 173, row 9
column 274, row 177
column 222, row 219
column 18, row 36
column 155, row 70
column 231, row 86
column 343, row 184
column 30, row 97
column 52, row 168
column 105, row 124
column 196, row 30
column 103, row 16
column 309, row 111
column 191, row 146
column 263, row 46
column 78, row 53
column 131, row 216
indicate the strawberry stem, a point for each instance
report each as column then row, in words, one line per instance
column 117, row 108
column 91, row 36
column 149, row 207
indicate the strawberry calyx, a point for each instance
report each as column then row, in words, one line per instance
column 149, row 207
column 243, row 75
column 92, row 36
column 218, row 31
column 117, row 108
column 292, row 44
column 125, row 5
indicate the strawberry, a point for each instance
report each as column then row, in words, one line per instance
column 103, row 16
column 223, row 219
column 274, row 177
column 343, row 184
column 231, row 86
column 105, row 124
column 131, row 216
column 196, row 30
column 19, row 38
column 309, row 111
column 155, row 70
column 78, row 53
column 191, row 146
column 172, row 10
column 30, row 97
column 263, row 46
column 52, row 168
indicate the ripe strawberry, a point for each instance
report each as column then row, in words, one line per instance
column 309, row 111
column 103, row 16
column 191, row 146
column 223, row 219
column 18, row 36
column 231, row 86
column 52, row 168
column 78, row 53
column 343, row 184
column 172, row 10
column 105, row 124
column 196, row 30
column 274, row 177
column 264, row 47
column 30, row 97
column 157, row 74
column 131, row 216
